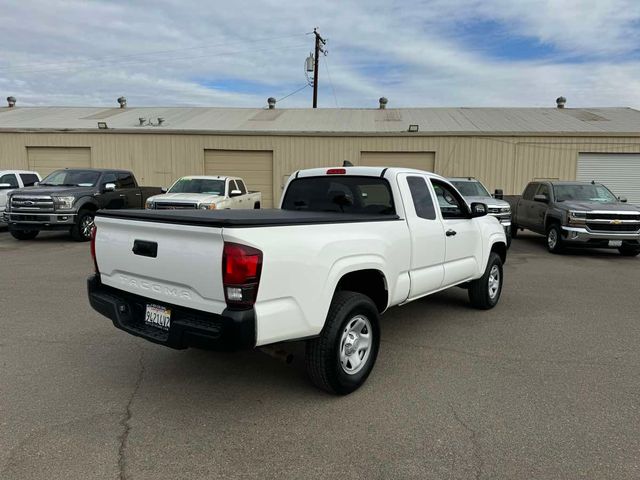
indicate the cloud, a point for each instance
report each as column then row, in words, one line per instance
column 432, row 53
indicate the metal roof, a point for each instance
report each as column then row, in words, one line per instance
column 339, row 121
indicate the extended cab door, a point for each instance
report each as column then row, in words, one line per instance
column 427, row 236
column 538, row 209
column 463, row 240
column 128, row 189
column 237, row 201
column 525, row 205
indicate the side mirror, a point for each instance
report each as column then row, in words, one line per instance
column 235, row 193
column 4, row 186
column 541, row 197
column 499, row 194
column 109, row 187
column 623, row 199
column 163, row 189
column 478, row 209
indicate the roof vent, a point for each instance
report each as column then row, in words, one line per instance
column 560, row 102
column 383, row 103
column 160, row 120
column 271, row 102
column 142, row 120
column 11, row 101
column 122, row 101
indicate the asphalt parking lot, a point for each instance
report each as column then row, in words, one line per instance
column 546, row 385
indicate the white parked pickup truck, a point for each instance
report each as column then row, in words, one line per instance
column 347, row 244
column 206, row 193
column 12, row 180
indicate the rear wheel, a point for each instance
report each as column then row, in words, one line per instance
column 514, row 231
column 81, row 231
column 628, row 251
column 341, row 358
column 256, row 206
column 24, row 234
column 554, row 239
column 484, row 293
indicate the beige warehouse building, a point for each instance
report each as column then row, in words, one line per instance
column 503, row 147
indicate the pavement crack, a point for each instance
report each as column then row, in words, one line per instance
column 473, row 436
column 126, row 419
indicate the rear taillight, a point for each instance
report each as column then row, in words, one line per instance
column 94, row 232
column 241, row 268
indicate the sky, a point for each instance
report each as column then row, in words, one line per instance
column 435, row 53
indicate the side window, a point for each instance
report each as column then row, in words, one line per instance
column 529, row 191
column 11, row 179
column 450, row 203
column 421, row 196
column 241, row 186
column 543, row 190
column 109, row 178
column 29, row 179
column 232, row 186
column 125, row 180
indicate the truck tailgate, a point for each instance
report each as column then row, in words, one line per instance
column 173, row 264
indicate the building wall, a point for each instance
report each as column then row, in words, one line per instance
column 158, row 159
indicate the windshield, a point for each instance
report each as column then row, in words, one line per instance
column 334, row 193
column 72, row 178
column 198, row 185
column 470, row 188
column 585, row 193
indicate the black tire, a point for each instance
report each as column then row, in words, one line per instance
column 514, row 230
column 509, row 237
column 256, row 206
column 628, row 251
column 323, row 354
column 24, row 234
column 554, row 238
column 81, row 231
column 481, row 294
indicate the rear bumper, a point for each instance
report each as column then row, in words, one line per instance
column 232, row 330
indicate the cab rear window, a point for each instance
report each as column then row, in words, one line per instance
column 346, row 194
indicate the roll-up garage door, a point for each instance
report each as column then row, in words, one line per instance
column 618, row 171
column 45, row 160
column 255, row 167
column 419, row 160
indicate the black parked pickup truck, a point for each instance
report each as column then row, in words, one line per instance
column 578, row 214
column 68, row 200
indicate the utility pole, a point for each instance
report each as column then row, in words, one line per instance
column 320, row 43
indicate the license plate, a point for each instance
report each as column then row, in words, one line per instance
column 615, row 243
column 158, row 316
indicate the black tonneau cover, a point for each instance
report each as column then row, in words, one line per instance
column 243, row 218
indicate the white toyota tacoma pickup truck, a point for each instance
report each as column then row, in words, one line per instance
column 347, row 244
column 206, row 193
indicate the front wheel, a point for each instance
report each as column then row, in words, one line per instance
column 554, row 239
column 24, row 234
column 627, row 251
column 342, row 357
column 81, row 231
column 484, row 293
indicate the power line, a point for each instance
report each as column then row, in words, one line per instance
column 293, row 93
column 335, row 98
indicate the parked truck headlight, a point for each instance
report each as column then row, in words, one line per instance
column 148, row 204
column 208, row 206
column 577, row 218
column 64, row 203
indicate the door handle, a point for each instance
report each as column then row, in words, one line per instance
column 450, row 233
column 122, row 195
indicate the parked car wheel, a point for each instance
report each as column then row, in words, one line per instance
column 514, row 230
column 342, row 357
column 81, row 231
column 554, row 239
column 24, row 234
column 256, row 206
column 628, row 251
column 484, row 293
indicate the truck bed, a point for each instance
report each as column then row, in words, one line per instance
column 243, row 218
